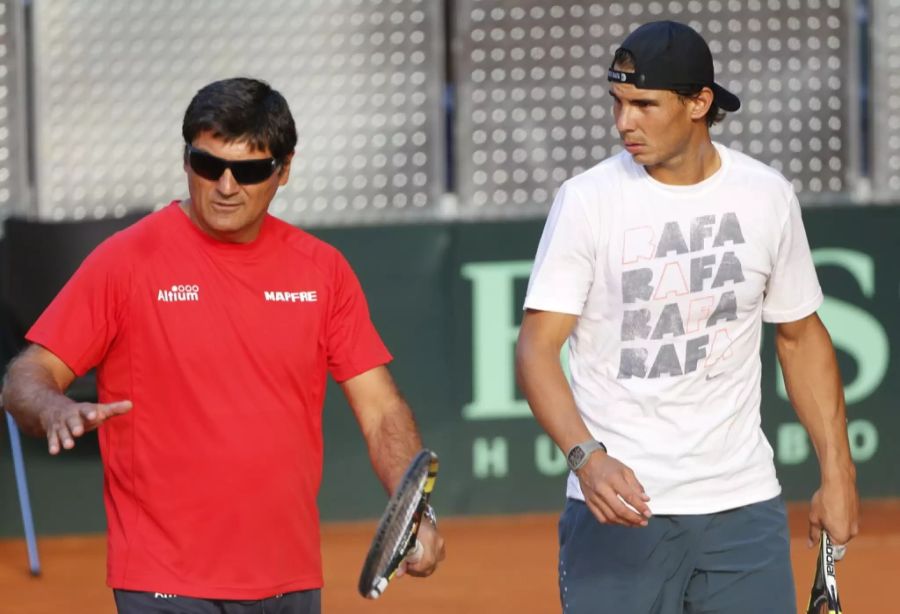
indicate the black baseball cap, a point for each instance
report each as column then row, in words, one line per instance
column 670, row 55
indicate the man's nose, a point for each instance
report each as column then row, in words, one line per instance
column 227, row 184
column 624, row 120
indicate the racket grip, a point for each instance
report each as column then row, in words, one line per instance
column 416, row 553
column 839, row 552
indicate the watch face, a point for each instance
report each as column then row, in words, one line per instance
column 576, row 456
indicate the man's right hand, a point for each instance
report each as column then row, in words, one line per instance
column 609, row 488
column 33, row 393
column 70, row 420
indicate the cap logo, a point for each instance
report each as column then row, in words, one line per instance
column 621, row 77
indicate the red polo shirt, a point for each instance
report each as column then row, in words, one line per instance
column 211, row 480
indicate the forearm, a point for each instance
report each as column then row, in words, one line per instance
column 392, row 440
column 541, row 378
column 30, row 391
column 814, row 387
column 386, row 422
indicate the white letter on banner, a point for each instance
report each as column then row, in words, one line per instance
column 494, row 332
column 548, row 458
column 863, row 440
column 490, row 458
column 793, row 444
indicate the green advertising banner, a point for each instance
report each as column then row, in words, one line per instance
column 447, row 300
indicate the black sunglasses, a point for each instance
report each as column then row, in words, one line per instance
column 245, row 172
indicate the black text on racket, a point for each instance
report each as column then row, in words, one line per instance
column 824, row 598
column 395, row 537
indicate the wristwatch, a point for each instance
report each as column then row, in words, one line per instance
column 578, row 455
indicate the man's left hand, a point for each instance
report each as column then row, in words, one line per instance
column 423, row 563
column 834, row 508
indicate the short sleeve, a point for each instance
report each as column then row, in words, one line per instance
column 566, row 256
column 82, row 321
column 354, row 345
column 792, row 291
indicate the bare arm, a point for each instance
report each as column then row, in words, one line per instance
column 386, row 422
column 815, row 390
column 393, row 440
column 539, row 373
column 33, row 392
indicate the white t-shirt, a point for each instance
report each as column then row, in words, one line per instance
column 671, row 285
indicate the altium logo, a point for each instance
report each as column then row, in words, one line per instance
column 179, row 293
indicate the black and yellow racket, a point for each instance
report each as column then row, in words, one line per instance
column 824, row 597
column 395, row 538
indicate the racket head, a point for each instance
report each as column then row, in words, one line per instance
column 395, row 536
column 824, row 598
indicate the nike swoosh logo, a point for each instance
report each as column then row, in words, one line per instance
column 710, row 376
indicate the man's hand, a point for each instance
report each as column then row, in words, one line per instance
column 69, row 420
column 609, row 488
column 834, row 508
column 423, row 562
column 33, row 393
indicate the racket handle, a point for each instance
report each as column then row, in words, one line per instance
column 837, row 550
column 416, row 553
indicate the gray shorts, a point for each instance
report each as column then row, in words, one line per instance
column 297, row 602
column 732, row 562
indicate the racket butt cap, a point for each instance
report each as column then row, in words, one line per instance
column 378, row 588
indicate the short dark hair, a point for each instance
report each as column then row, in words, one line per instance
column 625, row 59
column 242, row 109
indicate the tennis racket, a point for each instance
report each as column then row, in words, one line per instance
column 395, row 537
column 824, row 598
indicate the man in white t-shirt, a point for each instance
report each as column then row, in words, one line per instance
column 659, row 265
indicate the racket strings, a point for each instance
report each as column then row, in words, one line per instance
column 398, row 532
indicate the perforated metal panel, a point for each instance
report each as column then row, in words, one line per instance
column 534, row 108
column 363, row 79
column 13, row 153
column 885, row 96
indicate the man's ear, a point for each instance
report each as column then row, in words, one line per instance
column 285, row 171
column 700, row 103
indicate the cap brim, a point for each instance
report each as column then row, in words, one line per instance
column 725, row 99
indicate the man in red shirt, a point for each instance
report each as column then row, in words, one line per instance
column 213, row 327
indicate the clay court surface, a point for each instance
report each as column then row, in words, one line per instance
column 495, row 564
